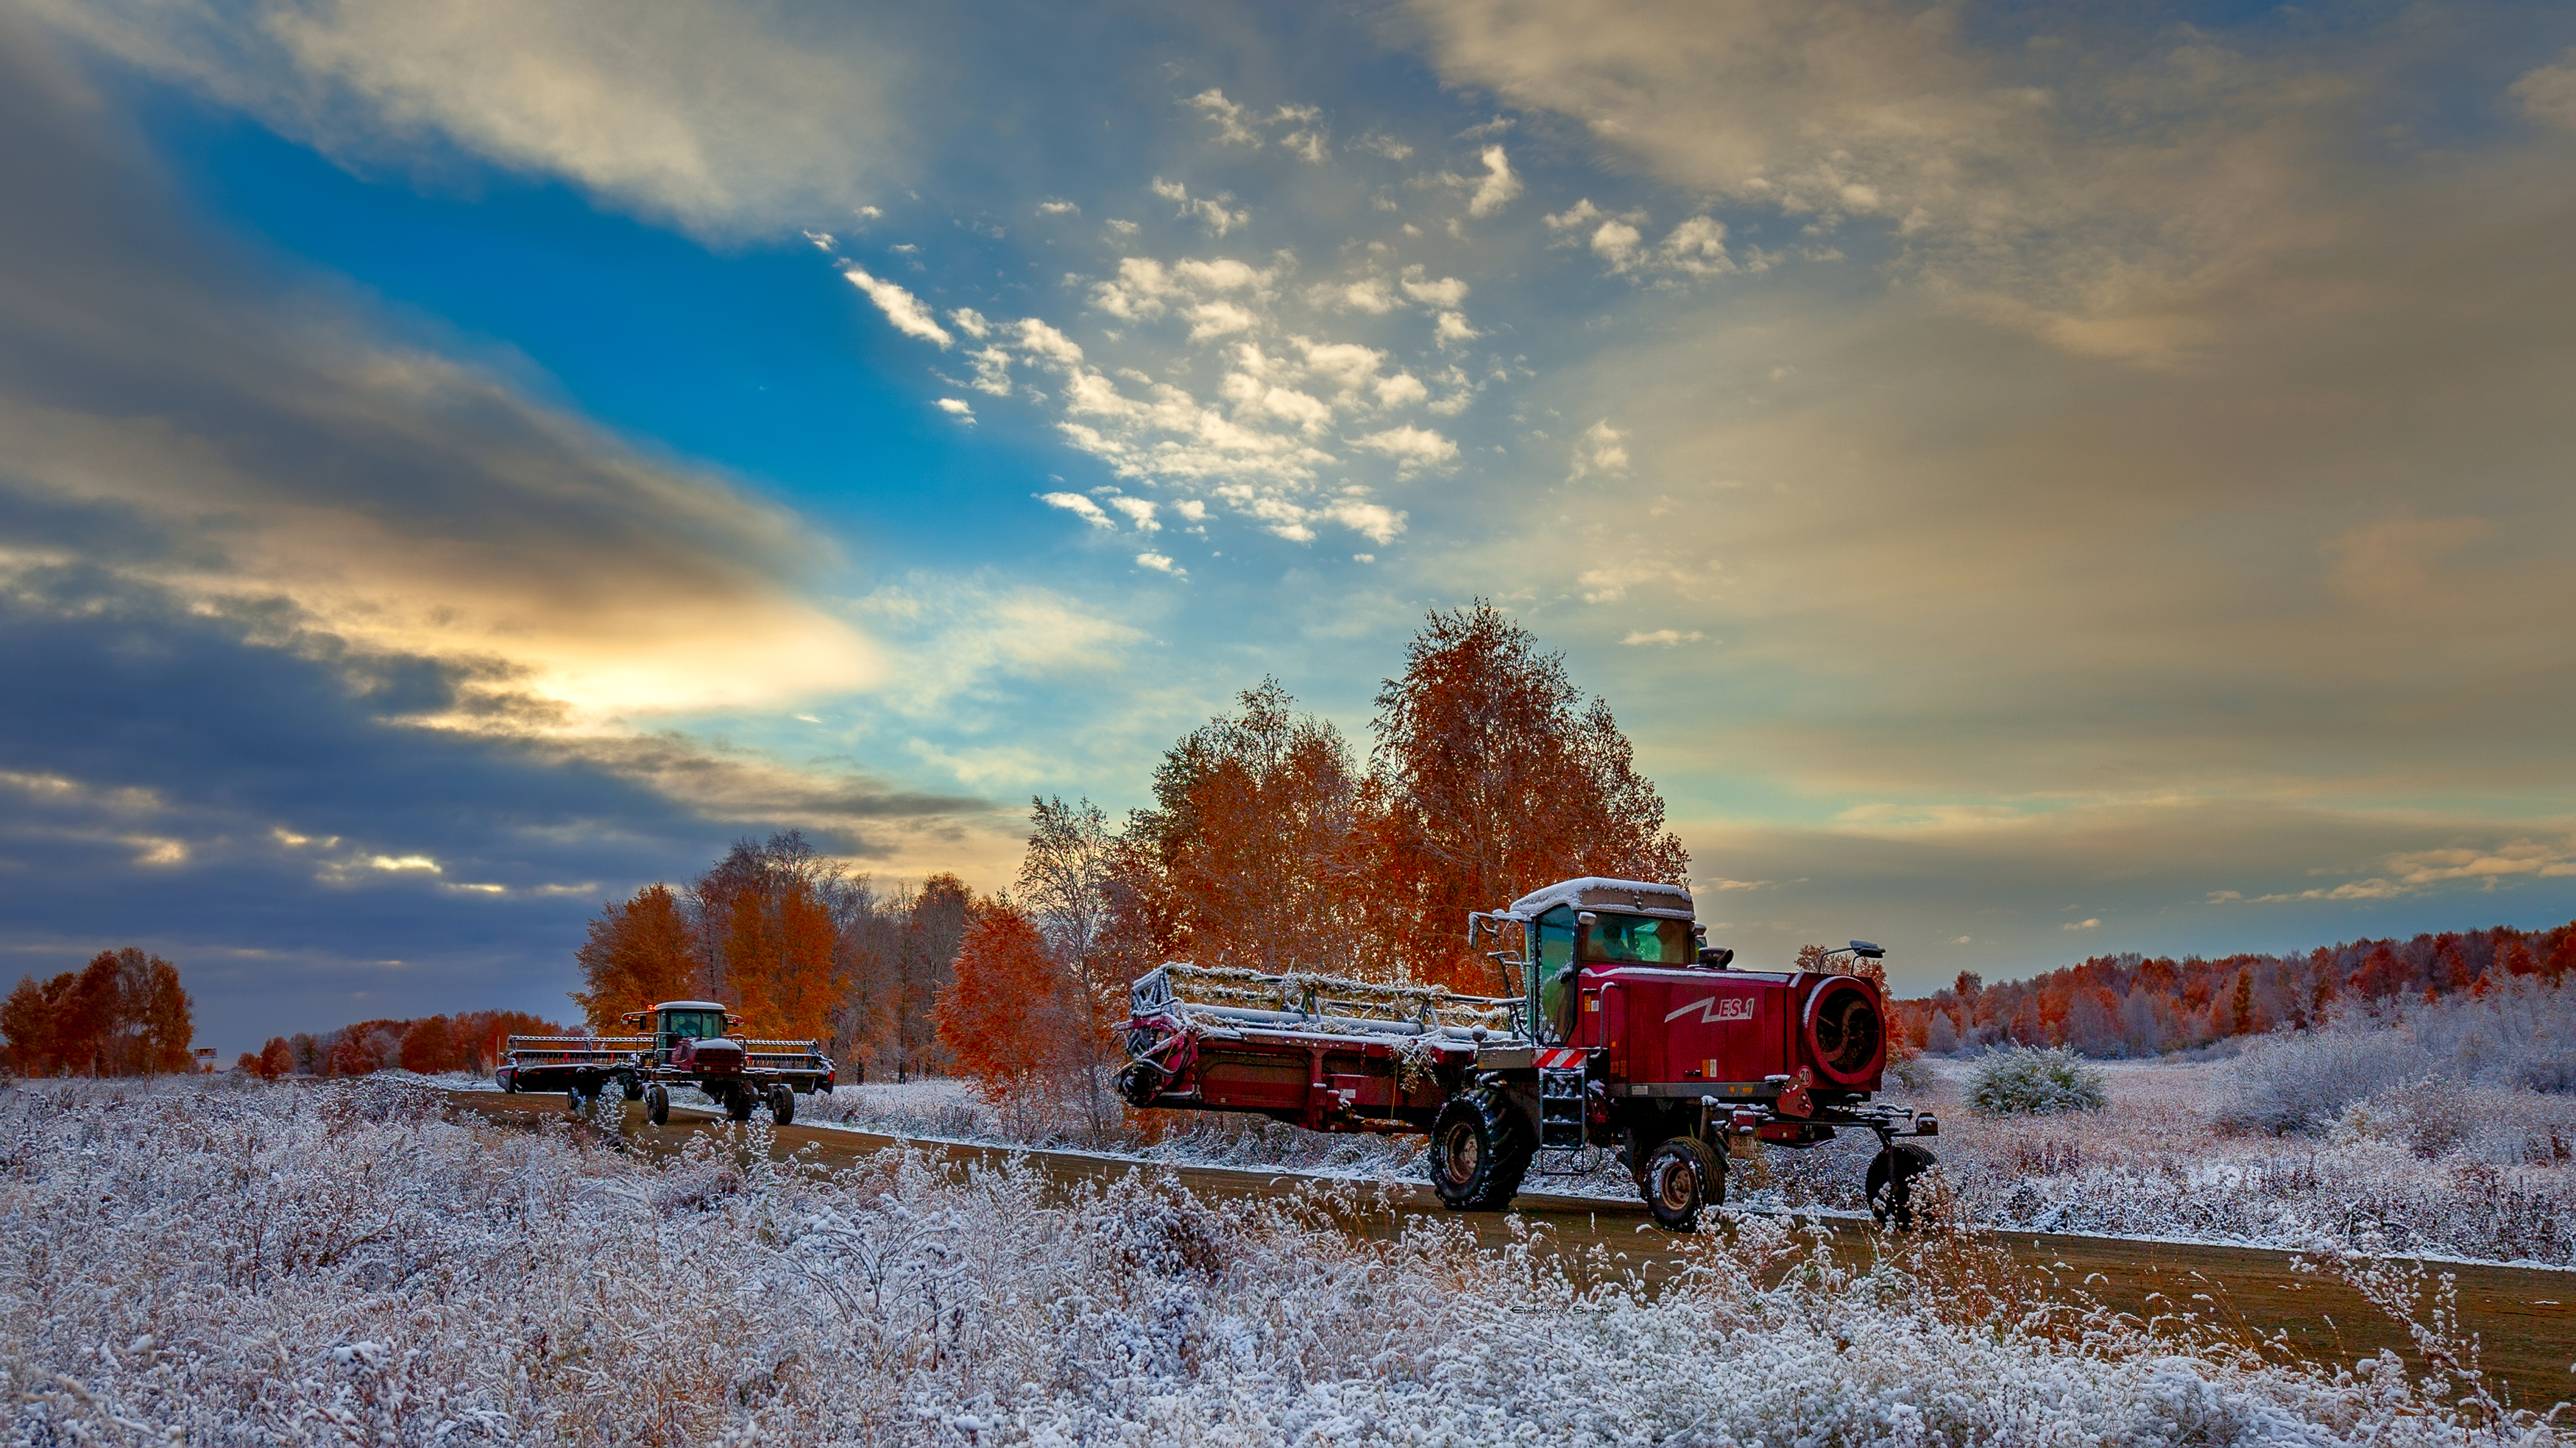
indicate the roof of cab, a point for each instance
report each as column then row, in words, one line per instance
column 1645, row 897
column 688, row 1006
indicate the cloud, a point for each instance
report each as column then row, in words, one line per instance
column 1412, row 447
column 1058, row 208
column 1601, row 449
column 1161, row 564
column 2548, row 94
column 959, row 408
column 1080, row 507
column 1139, row 511
column 1498, row 187
column 720, row 120
column 1661, row 638
column 2081, row 925
column 901, row 307
column 1210, row 212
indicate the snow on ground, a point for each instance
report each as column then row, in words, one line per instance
column 2155, row 1164
column 222, row 1262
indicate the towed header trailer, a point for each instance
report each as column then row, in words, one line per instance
column 690, row 1045
column 1626, row 1032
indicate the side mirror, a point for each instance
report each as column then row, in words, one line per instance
column 1867, row 951
column 1587, row 918
column 1716, row 957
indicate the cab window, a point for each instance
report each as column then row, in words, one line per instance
column 1638, row 940
column 692, row 1025
column 1556, row 971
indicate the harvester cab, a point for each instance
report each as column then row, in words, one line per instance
column 1620, row 1030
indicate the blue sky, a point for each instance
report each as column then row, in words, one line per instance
column 2032, row 483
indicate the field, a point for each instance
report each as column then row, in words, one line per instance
column 216, row 1263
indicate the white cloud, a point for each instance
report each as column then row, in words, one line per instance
column 1161, row 564
column 1219, row 319
column 2548, row 94
column 2081, row 925
column 1080, row 507
column 1601, row 449
column 1373, row 521
column 901, row 307
column 957, row 407
column 970, row 322
column 1058, row 208
column 1413, row 448
column 1210, row 212
column 1047, row 344
column 1573, row 216
column 1616, row 243
column 1378, row 143
column 1139, row 511
column 1447, row 292
column 1661, row 638
column 1499, row 186
column 1452, row 328
column 1401, row 390
column 723, row 121
column 1227, row 115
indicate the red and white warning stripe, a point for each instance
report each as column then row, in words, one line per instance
column 1560, row 1059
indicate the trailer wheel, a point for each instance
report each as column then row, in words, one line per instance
column 1683, row 1176
column 1480, row 1149
column 782, row 1103
column 738, row 1103
column 657, row 1104
column 1891, row 1182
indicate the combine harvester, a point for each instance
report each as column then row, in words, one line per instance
column 1628, row 1032
column 690, row 1046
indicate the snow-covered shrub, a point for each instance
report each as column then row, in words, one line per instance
column 2301, row 1081
column 2034, row 1081
column 2429, row 1117
column 301, row 1265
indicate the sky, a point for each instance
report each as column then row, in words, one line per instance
column 2032, row 481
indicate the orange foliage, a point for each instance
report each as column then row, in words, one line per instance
column 638, row 953
column 1011, row 1016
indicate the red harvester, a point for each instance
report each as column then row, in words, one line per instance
column 1627, row 1032
column 691, row 1045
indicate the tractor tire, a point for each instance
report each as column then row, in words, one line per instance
column 1480, row 1150
column 738, row 1103
column 633, row 1088
column 1683, row 1176
column 1636, row 1146
column 1891, row 1182
column 657, row 1104
column 782, row 1103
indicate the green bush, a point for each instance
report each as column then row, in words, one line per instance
column 2022, row 1081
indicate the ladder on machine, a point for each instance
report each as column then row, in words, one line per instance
column 1561, row 1147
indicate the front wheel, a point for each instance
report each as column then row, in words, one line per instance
column 1480, row 1149
column 1891, row 1182
column 657, row 1104
column 782, row 1103
column 1682, row 1176
column 738, row 1103
column 633, row 1088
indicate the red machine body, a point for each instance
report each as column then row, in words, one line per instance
column 1628, row 1032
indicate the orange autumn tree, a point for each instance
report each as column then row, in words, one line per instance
column 1492, row 776
column 639, row 952
column 1013, row 1020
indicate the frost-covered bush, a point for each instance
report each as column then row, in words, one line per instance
column 2429, row 1117
column 2301, row 1081
column 2521, row 1035
column 2034, row 1081
column 188, row 1263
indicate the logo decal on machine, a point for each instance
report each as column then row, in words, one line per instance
column 1716, row 1008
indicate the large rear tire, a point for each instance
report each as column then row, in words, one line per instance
column 657, row 1104
column 1480, row 1150
column 782, row 1103
column 1891, row 1182
column 1682, row 1177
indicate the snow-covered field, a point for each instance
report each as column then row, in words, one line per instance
column 2463, row 1171
column 208, row 1262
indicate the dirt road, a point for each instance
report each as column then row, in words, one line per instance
column 2524, row 1317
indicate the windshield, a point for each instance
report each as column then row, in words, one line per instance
column 693, row 1025
column 1638, row 939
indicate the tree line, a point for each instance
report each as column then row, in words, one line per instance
column 1270, row 845
column 800, row 946
column 468, row 1041
column 2115, row 1005
column 123, row 1014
